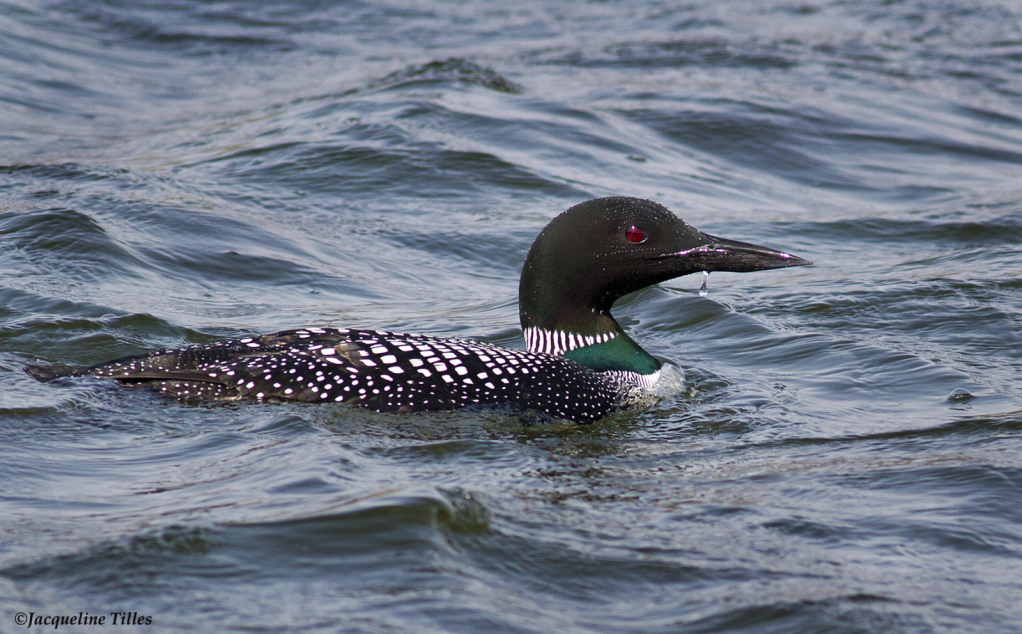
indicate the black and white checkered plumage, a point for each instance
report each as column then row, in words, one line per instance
column 382, row 371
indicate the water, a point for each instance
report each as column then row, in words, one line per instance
column 174, row 173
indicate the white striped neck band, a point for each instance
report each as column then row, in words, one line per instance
column 559, row 342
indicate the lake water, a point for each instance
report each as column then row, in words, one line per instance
column 182, row 171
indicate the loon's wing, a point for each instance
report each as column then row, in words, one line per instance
column 270, row 366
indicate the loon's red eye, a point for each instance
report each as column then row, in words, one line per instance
column 635, row 234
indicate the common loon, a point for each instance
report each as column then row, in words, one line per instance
column 579, row 365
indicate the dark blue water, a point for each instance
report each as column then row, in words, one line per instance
column 178, row 172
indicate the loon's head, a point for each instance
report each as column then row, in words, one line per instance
column 596, row 252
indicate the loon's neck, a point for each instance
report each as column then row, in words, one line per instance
column 598, row 343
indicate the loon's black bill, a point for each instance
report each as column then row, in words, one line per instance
column 721, row 254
